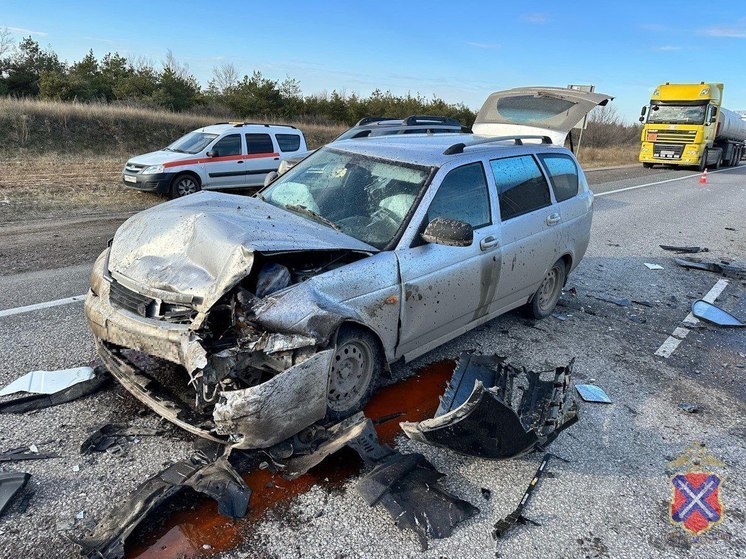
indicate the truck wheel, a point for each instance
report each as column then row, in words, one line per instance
column 184, row 184
column 703, row 162
column 719, row 161
column 647, row 165
column 545, row 299
column 357, row 365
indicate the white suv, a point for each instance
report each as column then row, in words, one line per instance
column 225, row 155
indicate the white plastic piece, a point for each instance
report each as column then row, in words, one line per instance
column 653, row 266
column 48, row 382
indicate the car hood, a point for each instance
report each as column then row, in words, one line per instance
column 194, row 249
column 159, row 157
column 546, row 111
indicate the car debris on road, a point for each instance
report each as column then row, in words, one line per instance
column 48, row 382
column 107, row 435
column 684, row 249
column 504, row 526
column 494, row 410
column 101, row 379
column 724, row 269
column 704, row 310
column 11, row 483
column 593, row 393
column 650, row 266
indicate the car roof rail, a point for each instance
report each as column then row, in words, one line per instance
column 371, row 119
column 426, row 119
column 518, row 140
column 240, row 124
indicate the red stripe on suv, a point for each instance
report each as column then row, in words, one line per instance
column 217, row 159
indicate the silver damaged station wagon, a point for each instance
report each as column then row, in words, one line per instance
column 246, row 319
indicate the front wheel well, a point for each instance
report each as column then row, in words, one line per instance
column 177, row 176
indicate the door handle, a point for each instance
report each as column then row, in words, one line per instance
column 553, row 219
column 239, row 161
column 488, row 243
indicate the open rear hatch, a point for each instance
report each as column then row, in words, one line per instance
column 546, row 111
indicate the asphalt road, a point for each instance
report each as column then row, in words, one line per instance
column 610, row 499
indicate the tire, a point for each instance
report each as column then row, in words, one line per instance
column 545, row 299
column 718, row 162
column 647, row 165
column 357, row 366
column 184, row 184
column 703, row 163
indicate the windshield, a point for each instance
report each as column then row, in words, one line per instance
column 194, row 142
column 677, row 114
column 365, row 197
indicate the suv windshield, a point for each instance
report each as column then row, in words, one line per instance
column 365, row 197
column 677, row 114
column 194, row 142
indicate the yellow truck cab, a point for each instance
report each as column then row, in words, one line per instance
column 686, row 125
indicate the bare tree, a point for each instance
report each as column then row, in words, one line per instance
column 7, row 43
column 224, row 77
column 179, row 69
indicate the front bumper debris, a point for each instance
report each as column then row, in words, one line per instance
column 256, row 417
column 494, row 410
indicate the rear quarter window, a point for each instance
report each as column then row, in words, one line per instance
column 288, row 142
column 521, row 186
column 563, row 173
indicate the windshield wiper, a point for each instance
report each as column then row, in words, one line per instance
column 305, row 211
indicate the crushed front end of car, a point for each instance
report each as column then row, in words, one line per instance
column 210, row 322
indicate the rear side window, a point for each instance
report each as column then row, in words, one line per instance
column 228, row 145
column 259, row 143
column 564, row 175
column 288, row 142
column 463, row 195
column 520, row 186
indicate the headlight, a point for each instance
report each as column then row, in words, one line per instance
column 152, row 170
column 97, row 273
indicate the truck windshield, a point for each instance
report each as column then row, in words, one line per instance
column 364, row 197
column 677, row 114
column 194, row 142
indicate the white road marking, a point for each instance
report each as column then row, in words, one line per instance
column 661, row 182
column 677, row 336
column 39, row 306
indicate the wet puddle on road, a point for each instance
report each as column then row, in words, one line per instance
column 184, row 533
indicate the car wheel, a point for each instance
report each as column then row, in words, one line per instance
column 356, row 368
column 647, row 165
column 183, row 185
column 546, row 297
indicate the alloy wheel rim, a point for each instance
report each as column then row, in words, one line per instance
column 186, row 186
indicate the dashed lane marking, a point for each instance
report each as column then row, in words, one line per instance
column 39, row 306
column 678, row 335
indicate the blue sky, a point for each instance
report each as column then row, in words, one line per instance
column 460, row 51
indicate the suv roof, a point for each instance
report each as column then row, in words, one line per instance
column 436, row 150
column 371, row 126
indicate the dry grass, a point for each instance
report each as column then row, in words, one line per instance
column 58, row 186
column 591, row 158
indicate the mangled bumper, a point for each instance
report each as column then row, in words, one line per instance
column 494, row 410
column 251, row 418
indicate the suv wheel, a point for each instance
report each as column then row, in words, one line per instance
column 545, row 299
column 183, row 185
column 356, row 367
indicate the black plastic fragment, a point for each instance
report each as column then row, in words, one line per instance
column 502, row 527
column 41, row 401
column 493, row 410
column 106, row 436
column 216, row 479
column 684, row 250
column 406, row 485
column 727, row 270
column 11, row 484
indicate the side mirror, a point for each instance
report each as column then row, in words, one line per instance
column 642, row 119
column 212, row 153
column 270, row 177
column 449, row 232
column 644, row 110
